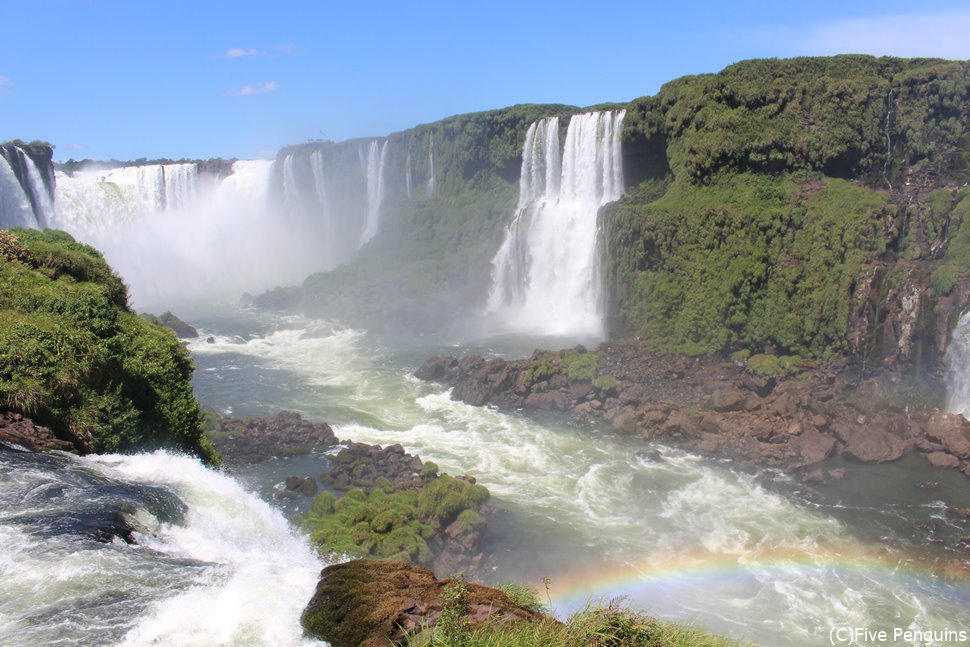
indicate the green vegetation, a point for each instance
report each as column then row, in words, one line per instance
column 760, row 199
column 599, row 626
column 389, row 524
column 580, row 367
column 75, row 358
column 957, row 260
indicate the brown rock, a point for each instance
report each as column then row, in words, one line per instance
column 813, row 446
column 376, row 603
column 942, row 459
column 875, row 446
column 952, row 431
column 727, row 399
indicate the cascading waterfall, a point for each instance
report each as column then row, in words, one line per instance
column 431, row 177
column 376, row 156
column 26, row 192
column 291, row 188
column 407, row 175
column 958, row 369
column 15, row 207
column 545, row 275
column 320, row 188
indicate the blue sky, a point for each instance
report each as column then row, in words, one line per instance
column 212, row 78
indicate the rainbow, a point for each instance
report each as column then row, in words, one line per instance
column 655, row 576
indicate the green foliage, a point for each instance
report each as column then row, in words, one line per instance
column 580, row 367
column 774, row 365
column 825, row 115
column 598, row 626
column 523, row 596
column 541, row 370
column 381, row 524
column 470, row 520
column 74, row 357
column 429, row 469
column 957, row 259
column 389, row 524
column 453, row 626
column 444, row 498
column 605, row 382
column 745, row 261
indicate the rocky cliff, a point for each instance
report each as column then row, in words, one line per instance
column 810, row 206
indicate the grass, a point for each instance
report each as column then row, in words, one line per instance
column 597, row 626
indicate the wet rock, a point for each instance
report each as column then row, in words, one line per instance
column 18, row 431
column 875, row 446
column 952, row 431
column 727, row 399
column 255, row 439
column 167, row 320
column 376, row 603
column 943, row 460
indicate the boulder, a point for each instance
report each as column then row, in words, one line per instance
column 374, row 603
column 942, row 459
column 875, row 446
column 952, row 431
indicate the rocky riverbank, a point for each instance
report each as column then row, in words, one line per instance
column 377, row 501
column 762, row 410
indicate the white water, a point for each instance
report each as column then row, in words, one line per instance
column 545, row 276
column 686, row 537
column 958, row 369
column 229, row 571
column 45, row 204
column 15, row 209
column 376, row 157
column 431, row 178
column 225, row 238
column 407, row 176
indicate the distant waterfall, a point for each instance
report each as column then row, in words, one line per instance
column 431, row 177
column 407, row 176
column 958, row 369
column 376, row 156
column 545, row 275
column 26, row 192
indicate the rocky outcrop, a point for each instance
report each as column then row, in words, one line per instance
column 255, row 439
column 22, row 432
column 181, row 329
column 372, row 603
column 793, row 421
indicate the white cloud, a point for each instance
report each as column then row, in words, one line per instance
column 246, row 90
column 927, row 34
column 240, row 52
column 6, row 80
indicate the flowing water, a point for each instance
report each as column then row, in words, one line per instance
column 682, row 536
column 155, row 549
column 545, row 276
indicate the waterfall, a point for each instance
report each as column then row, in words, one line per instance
column 26, row 192
column 407, row 175
column 15, row 208
column 376, row 156
column 291, row 188
column 431, row 166
column 320, row 188
column 958, row 369
column 545, row 274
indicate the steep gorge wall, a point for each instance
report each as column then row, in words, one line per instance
column 437, row 233
column 809, row 206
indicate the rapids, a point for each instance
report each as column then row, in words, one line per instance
column 750, row 554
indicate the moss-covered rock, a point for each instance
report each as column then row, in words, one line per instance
column 370, row 603
column 75, row 358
